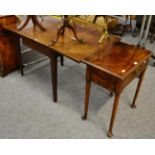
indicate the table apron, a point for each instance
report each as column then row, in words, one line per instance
column 38, row 47
column 110, row 82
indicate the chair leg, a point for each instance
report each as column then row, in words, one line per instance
column 114, row 111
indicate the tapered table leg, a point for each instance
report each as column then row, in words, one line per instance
column 62, row 60
column 111, row 94
column 53, row 60
column 138, row 88
column 87, row 94
column 19, row 55
column 114, row 111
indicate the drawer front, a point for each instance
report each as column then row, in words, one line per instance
column 113, row 83
column 105, row 80
column 135, row 73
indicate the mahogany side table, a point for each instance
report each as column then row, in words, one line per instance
column 114, row 68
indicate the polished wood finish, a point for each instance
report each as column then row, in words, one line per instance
column 8, row 47
column 118, row 59
column 39, row 41
column 114, row 68
column 61, row 30
column 112, row 64
column 66, row 46
column 34, row 21
column 7, row 20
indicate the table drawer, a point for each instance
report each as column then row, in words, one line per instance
column 103, row 79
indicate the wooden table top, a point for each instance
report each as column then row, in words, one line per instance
column 111, row 56
column 66, row 46
column 118, row 59
column 5, row 16
column 7, row 19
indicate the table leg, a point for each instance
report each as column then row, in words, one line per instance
column 115, row 106
column 19, row 55
column 62, row 60
column 87, row 93
column 53, row 60
column 111, row 94
column 138, row 88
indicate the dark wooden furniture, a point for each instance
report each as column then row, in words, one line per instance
column 111, row 64
column 61, row 30
column 96, row 16
column 9, row 47
column 66, row 46
column 34, row 21
column 114, row 68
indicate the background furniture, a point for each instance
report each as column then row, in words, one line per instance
column 65, row 23
column 9, row 47
column 142, row 40
column 34, row 21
